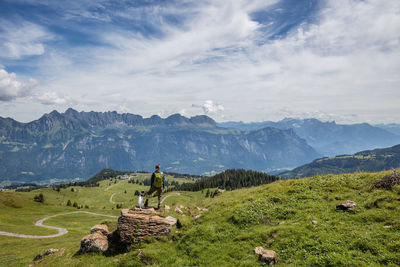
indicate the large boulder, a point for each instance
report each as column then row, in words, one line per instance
column 136, row 224
column 102, row 228
column 96, row 242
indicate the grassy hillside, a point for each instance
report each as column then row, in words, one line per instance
column 367, row 161
column 276, row 216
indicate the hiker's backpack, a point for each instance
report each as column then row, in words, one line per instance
column 158, row 180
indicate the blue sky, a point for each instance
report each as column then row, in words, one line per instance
column 232, row 60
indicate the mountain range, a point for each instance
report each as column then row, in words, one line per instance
column 366, row 161
column 390, row 127
column 330, row 138
column 62, row 146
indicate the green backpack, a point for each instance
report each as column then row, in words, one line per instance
column 158, row 180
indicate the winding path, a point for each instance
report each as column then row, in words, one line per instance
column 111, row 198
column 61, row 231
column 170, row 195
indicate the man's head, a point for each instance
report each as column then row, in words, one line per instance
column 157, row 167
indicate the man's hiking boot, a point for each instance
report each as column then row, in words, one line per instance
column 146, row 204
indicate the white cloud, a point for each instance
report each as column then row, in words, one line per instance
column 209, row 107
column 22, row 39
column 12, row 88
column 51, row 98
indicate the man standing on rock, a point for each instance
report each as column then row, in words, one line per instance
column 157, row 184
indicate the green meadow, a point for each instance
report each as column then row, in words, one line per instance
column 276, row 216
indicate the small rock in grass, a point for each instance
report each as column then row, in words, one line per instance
column 388, row 226
column 265, row 255
column 197, row 217
column 47, row 252
column 171, row 219
column 178, row 210
column 347, row 205
column 314, row 222
column 282, row 222
column 167, row 208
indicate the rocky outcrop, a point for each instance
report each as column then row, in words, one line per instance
column 388, row 181
column 347, row 205
column 136, row 224
column 133, row 226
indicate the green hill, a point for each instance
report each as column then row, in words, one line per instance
column 276, row 216
column 366, row 161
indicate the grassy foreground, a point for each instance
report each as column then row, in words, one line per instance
column 276, row 216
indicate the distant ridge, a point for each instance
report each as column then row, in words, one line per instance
column 61, row 146
column 330, row 138
column 367, row 161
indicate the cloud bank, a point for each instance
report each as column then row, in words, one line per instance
column 256, row 59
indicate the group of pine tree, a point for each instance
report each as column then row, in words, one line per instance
column 229, row 180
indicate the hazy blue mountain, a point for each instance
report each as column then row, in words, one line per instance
column 369, row 161
column 390, row 127
column 329, row 138
column 79, row 144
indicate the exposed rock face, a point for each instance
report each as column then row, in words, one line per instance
column 96, row 242
column 265, row 255
column 347, row 205
column 134, row 225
